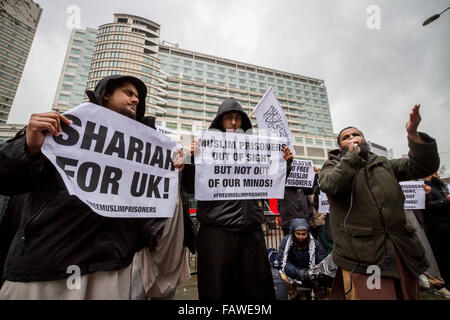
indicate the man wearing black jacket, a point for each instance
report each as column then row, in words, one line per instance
column 232, row 256
column 58, row 234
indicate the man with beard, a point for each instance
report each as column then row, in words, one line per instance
column 367, row 217
column 436, row 219
column 299, row 252
column 232, row 257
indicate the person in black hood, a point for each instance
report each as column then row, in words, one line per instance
column 58, row 234
column 232, row 258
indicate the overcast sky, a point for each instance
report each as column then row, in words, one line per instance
column 373, row 76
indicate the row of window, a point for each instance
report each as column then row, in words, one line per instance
column 168, row 60
column 317, row 102
column 121, row 37
column 14, row 56
column 7, row 92
column 14, row 49
column 10, row 70
column 6, row 100
column 17, row 44
column 280, row 91
column 17, row 23
column 126, row 56
column 7, row 84
column 16, row 35
column 78, row 52
column 112, row 28
column 244, row 83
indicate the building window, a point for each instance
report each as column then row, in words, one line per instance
column 171, row 125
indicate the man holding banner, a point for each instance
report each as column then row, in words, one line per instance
column 232, row 257
column 368, row 222
column 63, row 249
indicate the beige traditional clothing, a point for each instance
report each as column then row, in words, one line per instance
column 163, row 269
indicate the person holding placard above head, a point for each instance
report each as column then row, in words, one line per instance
column 370, row 232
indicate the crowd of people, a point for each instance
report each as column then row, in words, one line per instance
column 45, row 229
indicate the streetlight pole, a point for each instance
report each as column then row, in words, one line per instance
column 432, row 18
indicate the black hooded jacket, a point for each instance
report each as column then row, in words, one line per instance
column 57, row 230
column 229, row 215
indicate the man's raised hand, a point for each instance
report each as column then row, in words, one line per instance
column 413, row 124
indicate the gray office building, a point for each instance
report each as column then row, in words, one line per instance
column 18, row 23
column 75, row 71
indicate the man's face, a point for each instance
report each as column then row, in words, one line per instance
column 301, row 235
column 123, row 100
column 232, row 121
column 349, row 137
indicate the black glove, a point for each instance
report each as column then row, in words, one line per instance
column 303, row 275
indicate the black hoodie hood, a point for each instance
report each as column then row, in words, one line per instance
column 229, row 105
column 96, row 96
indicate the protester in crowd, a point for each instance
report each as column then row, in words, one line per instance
column 298, row 252
column 367, row 216
column 232, row 258
column 437, row 225
column 57, row 231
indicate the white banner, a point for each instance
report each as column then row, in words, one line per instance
column 324, row 204
column 302, row 174
column 270, row 116
column 117, row 166
column 239, row 166
column 414, row 194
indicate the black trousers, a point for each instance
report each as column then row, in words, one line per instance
column 233, row 265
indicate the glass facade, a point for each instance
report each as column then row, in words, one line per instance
column 75, row 71
column 18, row 25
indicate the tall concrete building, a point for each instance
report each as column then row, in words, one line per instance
column 130, row 46
column 75, row 71
column 185, row 88
column 18, row 23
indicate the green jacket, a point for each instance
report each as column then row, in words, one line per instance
column 377, row 222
